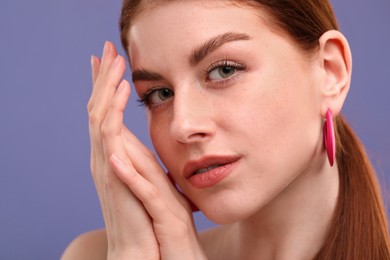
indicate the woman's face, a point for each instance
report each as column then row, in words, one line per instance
column 233, row 106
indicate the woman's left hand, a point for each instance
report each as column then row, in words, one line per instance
column 170, row 211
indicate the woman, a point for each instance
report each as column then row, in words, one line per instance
column 241, row 97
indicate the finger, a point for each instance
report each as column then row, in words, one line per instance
column 147, row 166
column 106, row 85
column 114, row 119
column 134, row 150
column 95, row 66
column 170, row 226
column 100, row 72
column 112, row 126
column 104, row 98
column 151, row 170
column 112, row 141
column 129, row 137
column 145, row 162
column 146, row 192
column 125, row 217
column 108, row 56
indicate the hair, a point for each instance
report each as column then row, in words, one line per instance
column 359, row 229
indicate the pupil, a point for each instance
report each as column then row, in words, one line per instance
column 227, row 70
column 165, row 93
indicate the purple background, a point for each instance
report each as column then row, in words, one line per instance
column 46, row 193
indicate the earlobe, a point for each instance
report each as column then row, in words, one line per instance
column 336, row 63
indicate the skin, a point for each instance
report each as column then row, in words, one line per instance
column 268, row 113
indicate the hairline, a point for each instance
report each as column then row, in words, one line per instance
column 268, row 18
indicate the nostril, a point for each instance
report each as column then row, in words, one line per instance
column 197, row 135
column 191, row 134
column 191, row 122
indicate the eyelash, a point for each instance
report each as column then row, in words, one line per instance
column 224, row 63
column 145, row 99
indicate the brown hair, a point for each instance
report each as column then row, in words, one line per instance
column 359, row 229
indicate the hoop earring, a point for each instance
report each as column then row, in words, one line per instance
column 329, row 137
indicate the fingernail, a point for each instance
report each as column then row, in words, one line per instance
column 105, row 48
column 121, row 86
column 116, row 61
column 92, row 60
column 116, row 160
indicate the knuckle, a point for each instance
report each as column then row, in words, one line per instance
column 107, row 178
column 90, row 105
column 109, row 182
column 152, row 193
column 151, row 155
column 94, row 169
column 93, row 119
column 106, row 130
column 181, row 230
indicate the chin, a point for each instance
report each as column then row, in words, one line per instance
column 227, row 212
column 220, row 217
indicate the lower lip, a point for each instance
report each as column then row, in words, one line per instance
column 212, row 177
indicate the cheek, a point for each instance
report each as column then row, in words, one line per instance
column 278, row 115
column 158, row 133
column 162, row 139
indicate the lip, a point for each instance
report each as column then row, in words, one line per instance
column 213, row 175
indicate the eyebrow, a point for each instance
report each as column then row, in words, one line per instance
column 214, row 43
column 145, row 75
column 197, row 55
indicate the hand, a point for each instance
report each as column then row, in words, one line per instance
column 128, row 226
column 171, row 213
column 158, row 217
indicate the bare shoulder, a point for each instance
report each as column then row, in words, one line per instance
column 93, row 244
column 90, row 245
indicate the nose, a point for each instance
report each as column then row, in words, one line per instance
column 192, row 116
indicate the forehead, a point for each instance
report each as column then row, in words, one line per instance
column 180, row 25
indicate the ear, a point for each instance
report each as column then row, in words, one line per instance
column 336, row 64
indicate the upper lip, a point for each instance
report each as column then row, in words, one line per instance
column 207, row 161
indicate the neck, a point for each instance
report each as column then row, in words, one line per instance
column 295, row 224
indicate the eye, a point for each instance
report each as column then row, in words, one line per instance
column 223, row 70
column 156, row 97
column 160, row 95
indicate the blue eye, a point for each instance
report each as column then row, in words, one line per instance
column 156, row 97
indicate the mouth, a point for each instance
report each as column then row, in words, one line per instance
column 207, row 164
column 202, row 170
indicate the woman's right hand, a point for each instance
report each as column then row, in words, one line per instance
column 129, row 229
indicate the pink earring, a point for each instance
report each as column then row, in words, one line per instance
column 329, row 138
